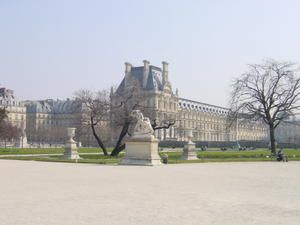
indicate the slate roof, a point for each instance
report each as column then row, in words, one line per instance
column 154, row 80
column 55, row 107
column 38, row 107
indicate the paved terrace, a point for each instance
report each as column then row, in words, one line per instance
column 42, row 193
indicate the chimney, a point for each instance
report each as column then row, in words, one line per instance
column 127, row 72
column 165, row 72
column 127, row 67
column 111, row 91
column 146, row 72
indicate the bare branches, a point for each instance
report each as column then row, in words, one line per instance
column 163, row 125
column 3, row 114
column 95, row 109
column 8, row 131
column 270, row 92
column 266, row 89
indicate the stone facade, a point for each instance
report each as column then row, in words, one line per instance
column 288, row 131
column 16, row 117
column 47, row 120
column 157, row 94
column 207, row 122
column 16, row 109
column 210, row 123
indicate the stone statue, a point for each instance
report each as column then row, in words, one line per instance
column 141, row 147
column 141, row 126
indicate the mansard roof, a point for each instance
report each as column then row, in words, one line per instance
column 7, row 93
column 68, row 106
column 38, row 107
column 121, row 87
column 138, row 74
column 154, row 78
column 7, row 98
column 55, row 107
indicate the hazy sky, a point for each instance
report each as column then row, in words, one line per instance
column 49, row 49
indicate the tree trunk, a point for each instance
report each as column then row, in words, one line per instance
column 119, row 146
column 100, row 143
column 272, row 139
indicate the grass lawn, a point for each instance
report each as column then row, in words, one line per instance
column 231, row 156
column 174, row 157
column 245, row 154
column 22, row 151
column 97, row 159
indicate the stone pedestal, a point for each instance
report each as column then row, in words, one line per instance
column 71, row 146
column 189, row 150
column 22, row 139
column 23, row 142
column 142, row 152
column 71, row 151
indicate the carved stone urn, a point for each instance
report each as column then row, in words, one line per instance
column 71, row 145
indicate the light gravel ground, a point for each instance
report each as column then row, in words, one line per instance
column 41, row 193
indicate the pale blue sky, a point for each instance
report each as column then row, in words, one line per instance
column 49, row 49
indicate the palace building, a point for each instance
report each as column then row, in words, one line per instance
column 207, row 122
column 46, row 121
column 16, row 116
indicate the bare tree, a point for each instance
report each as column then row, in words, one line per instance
column 95, row 109
column 123, row 103
column 8, row 132
column 268, row 92
column 3, row 114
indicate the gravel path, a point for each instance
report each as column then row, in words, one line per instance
column 42, row 193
